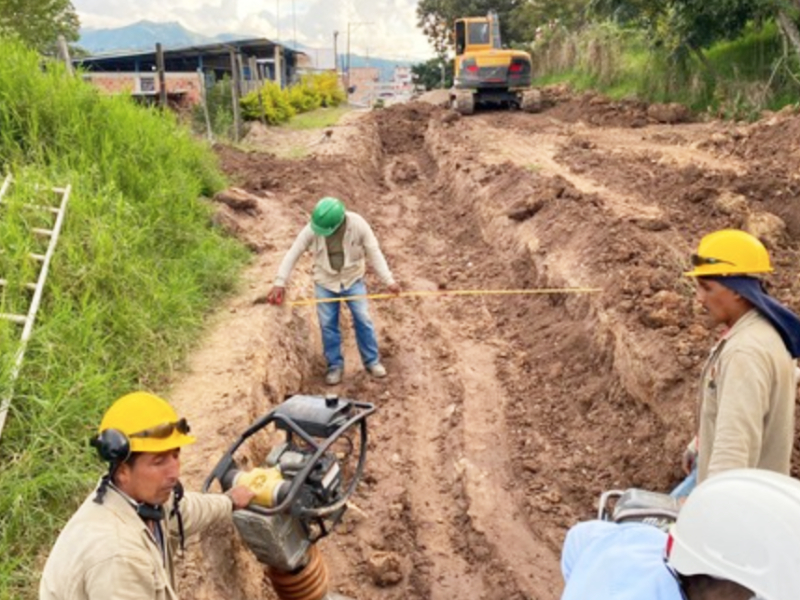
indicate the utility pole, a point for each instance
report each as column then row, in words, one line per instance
column 294, row 26
column 162, row 79
column 235, row 94
column 63, row 53
column 335, row 53
column 349, row 25
column 277, row 20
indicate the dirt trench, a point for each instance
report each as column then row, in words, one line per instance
column 503, row 418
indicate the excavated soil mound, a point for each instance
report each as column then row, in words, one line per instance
column 598, row 110
column 504, row 416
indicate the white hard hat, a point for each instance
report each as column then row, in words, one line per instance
column 743, row 526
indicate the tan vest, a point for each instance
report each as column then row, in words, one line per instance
column 106, row 550
column 748, row 388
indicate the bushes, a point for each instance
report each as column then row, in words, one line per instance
column 270, row 103
column 326, row 85
column 276, row 105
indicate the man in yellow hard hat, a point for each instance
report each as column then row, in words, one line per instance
column 748, row 383
column 341, row 241
column 121, row 542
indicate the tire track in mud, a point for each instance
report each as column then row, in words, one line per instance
column 464, row 530
column 500, row 420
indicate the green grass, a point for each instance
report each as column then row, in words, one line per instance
column 317, row 119
column 741, row 81
column 137, row 268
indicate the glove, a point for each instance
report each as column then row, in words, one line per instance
column 275, row 295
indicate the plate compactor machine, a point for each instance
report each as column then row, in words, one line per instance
column 302, row 486
column 641, row 506
column 486, row 73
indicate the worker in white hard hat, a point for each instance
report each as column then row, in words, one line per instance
column 736, row 538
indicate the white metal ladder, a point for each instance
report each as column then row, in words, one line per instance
column 27, row 320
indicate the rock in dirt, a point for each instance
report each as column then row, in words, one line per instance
column 525, row 209
column 225, row 218
column 662, row 310
column 651, row 224
column 765, row 226
column 729, row 203
column 238, row 199
column 385, row 569
column 450, row 116
column 668, row 113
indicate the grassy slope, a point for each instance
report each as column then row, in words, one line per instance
column 736, row 85
column 136, row 268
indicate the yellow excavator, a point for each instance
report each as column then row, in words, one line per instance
column 486, row 74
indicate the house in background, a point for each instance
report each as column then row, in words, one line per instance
column 363, row 82
column 187, row 69
column 403, row 81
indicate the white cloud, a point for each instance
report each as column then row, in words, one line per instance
column 391, row 32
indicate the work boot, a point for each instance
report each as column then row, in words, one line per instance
column 334, row 375
column 378, row 371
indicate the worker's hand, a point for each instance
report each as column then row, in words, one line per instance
column 688, row 460
column 394, row 288
column 241, row 496
column 275, row 295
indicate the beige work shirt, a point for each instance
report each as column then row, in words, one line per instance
column 106, row 552
column 746, row 417
column 359, row 244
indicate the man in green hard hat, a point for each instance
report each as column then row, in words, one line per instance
column 341, row 241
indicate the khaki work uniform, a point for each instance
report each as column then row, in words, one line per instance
column 106, row 552
column 359, row 244
column 748, row 389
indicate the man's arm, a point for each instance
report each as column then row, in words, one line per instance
column 300, row 245
column 374, row 254
column 200, row 511
column 743, row 399
column 578, row 539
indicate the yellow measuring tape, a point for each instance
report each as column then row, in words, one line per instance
column 420, row 293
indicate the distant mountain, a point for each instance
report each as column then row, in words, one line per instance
column 144, row 35
column 322, row 58
column 140, row 36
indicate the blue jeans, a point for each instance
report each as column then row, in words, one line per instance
column 328, row 313
column 685, row 487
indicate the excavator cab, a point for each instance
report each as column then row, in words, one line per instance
column 486, row 74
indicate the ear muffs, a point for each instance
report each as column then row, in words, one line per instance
column 112, row 445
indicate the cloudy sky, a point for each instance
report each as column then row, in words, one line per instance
column 391, row 32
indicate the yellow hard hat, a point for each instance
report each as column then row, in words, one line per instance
column 149, row 423
column 729, row 252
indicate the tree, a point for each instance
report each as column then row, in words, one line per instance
column 681, row 26
column 436, row 18
column 429, row 73
column 530, row 17
column 786, row 15
column 38, row 23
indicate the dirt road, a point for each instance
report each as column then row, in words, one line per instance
column 503, row 418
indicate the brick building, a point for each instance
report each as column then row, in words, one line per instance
column 187, row 69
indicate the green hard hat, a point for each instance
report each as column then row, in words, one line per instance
column 327, row 216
